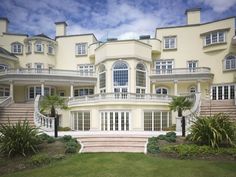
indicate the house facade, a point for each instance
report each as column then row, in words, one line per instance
column 121, row 85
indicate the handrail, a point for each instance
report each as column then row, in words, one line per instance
column 53, row 72
column 180, row 71
column 5, row 101
column 119, row 96
column 43, row 122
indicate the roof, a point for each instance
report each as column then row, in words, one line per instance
column 6, row 53
column 42, row 35
column 4, row 18
column 62, row 22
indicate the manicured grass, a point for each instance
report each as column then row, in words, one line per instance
column 130, row 165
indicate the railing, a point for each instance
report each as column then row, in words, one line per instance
column 180, row 71
column 54, row 72
column 5, row 101
column 43, row 122
column 119, row 96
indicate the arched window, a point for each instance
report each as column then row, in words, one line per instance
column 140, row 78
column 38, row 47
column 162, row 90
column 102, row 78
column 230, row 62
column 16, row 48
column 120, row 77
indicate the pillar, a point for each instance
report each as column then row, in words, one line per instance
column 198, row 86
column 71, row 90
column 175, row 87
column 153, row 88
column 11, row 89
column 42, row 88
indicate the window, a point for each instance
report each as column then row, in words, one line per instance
column 156, row 120
column 83, row 91
column 3, row 67
column 230, row 62
column 192, row 65
column 170, row 42
column 192, row 89
column 120, row 74
column 140, row 79
column 38, row 67
column 102, row 78
column 16, row 48
column 223, row 92
column 162, row 90
column 81, row 121
column 4, row 91
column 39, row 47
column 50, row 49
column 214, row 38
column 81, row 49
column 86, row 70
column 164, row 66
column 33, row 91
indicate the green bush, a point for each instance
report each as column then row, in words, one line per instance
column 169, row 137
column 64, row 129
column 71, row 146
column 66, row 138
column 152, row 146
column 39, row 159
column 215, row 131
column 191, row 150
column 51, row 140
column 19, row 138
column 44, row 136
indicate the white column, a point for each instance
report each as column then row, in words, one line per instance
column 11, row 90
column 71, row 90
column 153, row 88
column 42, row 89
column 175, row 87
column 198, row 86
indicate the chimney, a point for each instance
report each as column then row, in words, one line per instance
column 193, row 16
column 61, row 28
column 3, row 25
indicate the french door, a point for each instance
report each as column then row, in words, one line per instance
column 121, row 92
column 115, row 121
column 223, row 92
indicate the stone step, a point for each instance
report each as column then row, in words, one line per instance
column 113, row 149
column 114, row 144
column 217, row 102
column 109, row 139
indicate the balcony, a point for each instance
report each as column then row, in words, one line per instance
column 47, row 74
column 120, row 98
column 123, row 49
column 155, row 43
column 202, row 73
column 91, row 49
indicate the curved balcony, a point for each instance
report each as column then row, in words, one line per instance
column 120, row 98
column 48, row 74
column 202, row 73
column 124, row 49
column 91, row 49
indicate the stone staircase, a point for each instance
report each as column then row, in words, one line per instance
column 17, row 112
column 211, row 107
column 113, row 143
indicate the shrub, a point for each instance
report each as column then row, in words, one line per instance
column 215, row 131
column 39, row 159
column 152, row 146
column 19, row 138
column 51, row 140
column 169, row 137
column 64, row 129
column 66, row 138
column 71, row 146
column 44, row 136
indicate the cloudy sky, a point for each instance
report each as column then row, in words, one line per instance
column 107, row 18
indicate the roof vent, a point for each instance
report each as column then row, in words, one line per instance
column 111, row 39
column 144, row 37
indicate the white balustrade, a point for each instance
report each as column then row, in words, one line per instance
column 173, row 71
column 5, row 101
column 43, row 122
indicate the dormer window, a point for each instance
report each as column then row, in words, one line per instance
column 38, row 47
column 16, row 48
column 50, row 49
column 81, row 49
column 170, row 42
column 214, row 38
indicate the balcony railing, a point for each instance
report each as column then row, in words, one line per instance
column 53, row 72
column 179, row 71
column 124, row 97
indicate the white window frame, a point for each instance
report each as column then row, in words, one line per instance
column 85, row 69
column 210, row 39
column 232, row 63
column 190, row 65
column 17, row 48
column 168, row 42
column 5, row 90
column 164, row 62
column 162, row 88
column 52, row 51
column 41, row 47
column 221, row 96
column 81, row 48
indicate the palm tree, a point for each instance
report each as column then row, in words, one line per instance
column 50, row 104
column 180, row 104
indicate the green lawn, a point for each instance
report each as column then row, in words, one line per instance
column 130, row 165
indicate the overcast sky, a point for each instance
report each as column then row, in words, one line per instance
column 107, row 18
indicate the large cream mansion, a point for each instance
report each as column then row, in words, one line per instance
column 120, row 85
